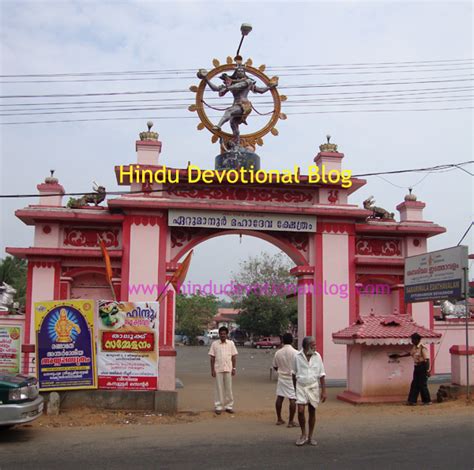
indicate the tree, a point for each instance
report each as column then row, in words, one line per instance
column 13, row 272
column 263, row 284
column 265, row 274
column 264, row 315
column 194, row 312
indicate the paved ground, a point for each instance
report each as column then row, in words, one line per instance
column 410, row 440
column 350, row 437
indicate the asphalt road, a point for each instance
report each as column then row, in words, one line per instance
column 403, row 441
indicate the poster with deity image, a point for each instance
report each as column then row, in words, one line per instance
column 65, row 353
column 127, row 345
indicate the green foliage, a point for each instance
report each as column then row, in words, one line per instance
column 194, row 312
column 265, row 308
column 13, row 271
column 225, row 303
column 264, row 315
column 270, row 273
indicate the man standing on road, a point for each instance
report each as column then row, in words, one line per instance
column 283, row 363
column 308, row 375
column 223, row 355
column 421, row 372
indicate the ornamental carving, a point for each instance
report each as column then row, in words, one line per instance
column 147, row 220
column 333, row 196
column 330, row 227
column 42, row 264
column 182, row 236
column 89, row 238
column 378, row 247
column 242, row 194
column 298, row 240
column 179, row 236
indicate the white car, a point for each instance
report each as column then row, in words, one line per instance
column 213, row 334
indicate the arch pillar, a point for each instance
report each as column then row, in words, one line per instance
column 305, row 295
column 143, row 268
column 336, row 294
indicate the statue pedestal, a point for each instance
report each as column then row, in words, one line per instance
column 236, row 159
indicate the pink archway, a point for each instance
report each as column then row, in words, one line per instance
column 289, row 249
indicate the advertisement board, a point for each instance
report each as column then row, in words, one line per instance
column 10, row 348
column 65, row 354
column 437, row 275
column 127, row 345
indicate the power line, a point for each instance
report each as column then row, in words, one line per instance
column 411, row 185
column 346, row 96
column 465, row 233
column 418, row 63
column 336, row 111
column 292, row 104
column 115, row 193
column 286, row 87
column 414, row 170
column 298, row 73
column 313, row 98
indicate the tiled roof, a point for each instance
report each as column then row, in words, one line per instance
column 231, row 318
column 227, row 311
column 384, row 329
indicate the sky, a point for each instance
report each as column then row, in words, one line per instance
column 91, row 36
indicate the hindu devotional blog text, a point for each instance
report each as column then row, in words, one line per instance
column 194, row 174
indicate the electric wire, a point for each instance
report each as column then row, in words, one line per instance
column 399, row 64
column 380, row 93
column 115, row 193
column 141, row 118
column 465, row 233
column 302, row 73
column 286, row 87
column 184, row 107
column 319, row 101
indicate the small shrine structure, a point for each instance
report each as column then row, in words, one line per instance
column 371, row 375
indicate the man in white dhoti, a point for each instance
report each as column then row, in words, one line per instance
column 283, row 363
column 310, row 386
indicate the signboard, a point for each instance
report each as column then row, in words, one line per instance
column 128, row 345
column 65, row 355
column 238, row 220
column 437, row 275
column 10, row 349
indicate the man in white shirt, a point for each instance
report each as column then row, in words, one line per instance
column 283, row 363
column 223, row 354
column 308, row 375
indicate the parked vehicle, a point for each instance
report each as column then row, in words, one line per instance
column 182, row 339
column 239, row 337
column 203, row 340
column 267, row 342
column 213, row 334
column 20, row 401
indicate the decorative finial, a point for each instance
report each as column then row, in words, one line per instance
column 149, row 135
column 51, row 179
column 410, row 196
column 328, row 147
